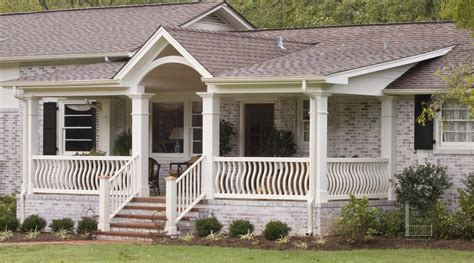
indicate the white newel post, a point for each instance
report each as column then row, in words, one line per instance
column 32, row 138
column 210, row 140
column 104, row 204
column 171, row 205
column 140, row 140
column 318, row 145
column 389, row 137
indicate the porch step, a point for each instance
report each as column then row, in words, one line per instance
column 146, row 217
column 132, row 236
column 138, row 226
column 155, row 199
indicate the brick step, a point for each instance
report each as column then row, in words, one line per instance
column 138, row 225
column 147, row 217
column 124, row 235
column 146, row 208
column 155, row 199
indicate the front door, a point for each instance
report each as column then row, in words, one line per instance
column 258, row 120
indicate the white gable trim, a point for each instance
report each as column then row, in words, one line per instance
column 237, row 18
column 160, row 34
column 343, row 77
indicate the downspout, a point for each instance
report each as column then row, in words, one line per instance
column 310, row 194
column 24, row 153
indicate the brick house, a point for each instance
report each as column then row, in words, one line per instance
column 73, row 80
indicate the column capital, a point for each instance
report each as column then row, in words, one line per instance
column 141, row 96
column 387, row 98
column 207, row 94
column 319, row 93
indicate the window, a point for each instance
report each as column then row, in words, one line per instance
column 78, row 127
column 305, row 120
column 168, row 123
column 196, row 127
column 458, row 126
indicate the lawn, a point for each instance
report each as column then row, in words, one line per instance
column 165, row 253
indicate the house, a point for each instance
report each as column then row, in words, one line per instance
column 74, row 80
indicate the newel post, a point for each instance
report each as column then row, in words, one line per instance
column 104, row 204
column 171, row 206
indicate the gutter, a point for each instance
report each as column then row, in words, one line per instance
column 412, row 91
column 264, row 80
column 53, row 84
column 65, row 57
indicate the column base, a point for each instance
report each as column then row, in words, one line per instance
column 171, row 231
column 321, row 196
column 104, row 227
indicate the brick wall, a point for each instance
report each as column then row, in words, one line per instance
column 10, row 150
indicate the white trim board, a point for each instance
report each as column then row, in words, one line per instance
column 227, row 13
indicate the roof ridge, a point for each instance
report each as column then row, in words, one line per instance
column 105, row 7
column 238, row 33
column 350, row 25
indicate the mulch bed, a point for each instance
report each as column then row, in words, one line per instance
column 331, row 243
column 44, row 237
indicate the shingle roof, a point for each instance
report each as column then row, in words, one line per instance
column 90, row 31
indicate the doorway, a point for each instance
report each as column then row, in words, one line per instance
column 259, row 118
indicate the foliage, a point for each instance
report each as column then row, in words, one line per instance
column 460, row 11
column 442, row 221
column 319, row 241
column 93, row 152
column 62, row 224
column 5, row 235
column 240, row 227
column 188, row 237
column 279, row 143
column 300, row 245
column 248, row 236
column 86, row 225
column 275, row 230
column 8, row 205
column 123, row 143
column 282, row 240
column 464, row 217
column 33, row 223
column 8, row 222
column 32, row 234
column 214, row 236
column 226, row 132
column 392, row 223
column 422, row 185
column 63, row 234
column 206, row 226
column 358, row 222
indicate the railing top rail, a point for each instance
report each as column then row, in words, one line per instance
column 262, row 159
column 122, row 168
column 357, row 160
column 79, row 158
column 190, row 168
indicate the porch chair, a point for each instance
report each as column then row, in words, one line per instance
column 154, row 175
column 183, row 166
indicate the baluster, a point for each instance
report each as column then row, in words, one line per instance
column 241, row 179
column 268, row 174
column 231, row 178
column 218, row 177
column 254, row 177
column 280, row 175
column 301, row 177
column 285, row 179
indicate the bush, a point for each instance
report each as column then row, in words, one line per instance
column 33, row 223
column 464, row 217
column 358, row 222
column 392, row 223
column 442, row 221
column 8, row 223
column 422, row 185
column 240, row 227
column 205, row 226
column 275, row 230
column 86, row 226
column 62, row 224
column 8, row 205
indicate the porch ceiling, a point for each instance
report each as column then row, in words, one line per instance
column 173, row 77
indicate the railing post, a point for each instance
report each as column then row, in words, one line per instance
column 171, row 206
column 104, row 204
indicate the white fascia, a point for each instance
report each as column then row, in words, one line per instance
column 64, row 57
column 343, row 77
column 237, row 18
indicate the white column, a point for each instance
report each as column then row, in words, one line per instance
column 104, row 126
column 318, row 145
column 140, row 140
column 104, row 204
column 171, row 206
column 389, row 137
column 31, row 138
column 210, row 140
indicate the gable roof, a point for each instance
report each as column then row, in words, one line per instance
column 92, row 30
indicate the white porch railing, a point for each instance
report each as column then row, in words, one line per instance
column 182, row 194
column 360, row 176
column 72, row 174
column 262, row 178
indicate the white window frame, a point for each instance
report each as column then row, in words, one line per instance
column 192, row 128
column 300, row 121
column 440, row 144
column 61, row 129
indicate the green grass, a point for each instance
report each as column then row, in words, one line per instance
column 162, row 253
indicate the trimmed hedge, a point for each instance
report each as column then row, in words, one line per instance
column 33, row 223
column 275, row 230
column 9, row 223
column 207, row 225
column 240, row 227
column 86, row 225
column 63, row 223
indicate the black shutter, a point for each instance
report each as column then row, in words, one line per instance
column 423, row 134
column 94, row 127
column 49, row 128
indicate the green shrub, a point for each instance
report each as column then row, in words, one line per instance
column 86, row 225
column 33, row 223
column 240, row 227
column 8, row 205
column 464, row 217
column 275, row 230
column 206, row 226
column 392, row 223
column 358, row 222
column 422, row 185
column 442, row 221
column 8, row 223
column 62, row 224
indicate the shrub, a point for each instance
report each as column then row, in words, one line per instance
column 358, row 222
column 442, row 221
column 62, row 224
column 226, row 132
column 8, row 205
column 33, row 223
column 206, row 226
column 9, row 223
column 240, row 227
column 86, row 226
column 275, row 230
column 422, row 185
column 464, row 217
column 392, row 223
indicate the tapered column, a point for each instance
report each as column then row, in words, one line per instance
column 210, row 140
column 31, row 140
column 318, row 145
column 140, row 140
column 389, row 137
